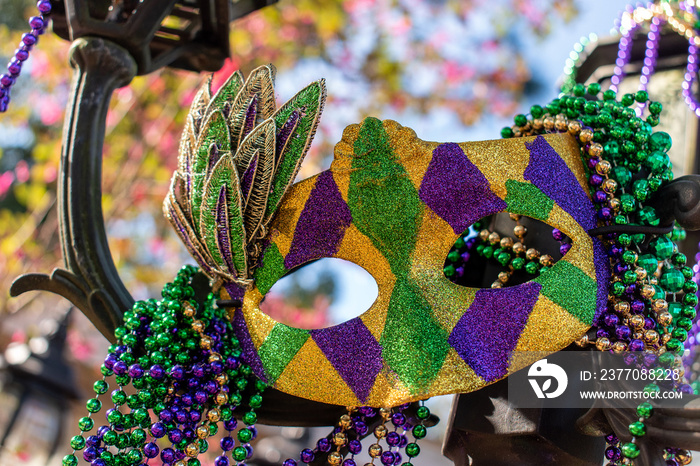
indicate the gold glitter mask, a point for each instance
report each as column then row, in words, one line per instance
column 395, row 205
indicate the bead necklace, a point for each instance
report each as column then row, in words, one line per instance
column 512, row 254
column 185, row 365
column 652, row 296
column 353, row 426
column 681, row 17
column 29, row 40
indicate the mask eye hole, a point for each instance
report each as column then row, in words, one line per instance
column 320, row 294
column 504, row 250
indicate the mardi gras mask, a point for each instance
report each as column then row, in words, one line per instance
column 394, row 205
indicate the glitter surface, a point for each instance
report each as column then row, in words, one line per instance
column 271, row 270
column 489, row 330
column 424, row 335
column 321, row 224
column 311, row 375
column 250, row 116
column 553, row 176
column 310, row 98
column 214, row 131
column 249, row 352
column 248, row 175
column 456, row 190
column 538, row 335
column 278, row 349
column 566, row 285
column 353, row 352
column 384, row 203
column 414, row 344
column 256, row 98
column 222, row 233
column 283, row 135
column 527, row 199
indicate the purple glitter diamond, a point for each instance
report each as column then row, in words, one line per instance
column 321, row 224
column 489, row 330
column 456, row 190
column 548, row 171
column 250, row 353
column 353, row 352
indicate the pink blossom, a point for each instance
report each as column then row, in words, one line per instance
column 22, row 171
column 6, row 180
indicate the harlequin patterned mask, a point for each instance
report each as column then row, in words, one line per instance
column 394, row 205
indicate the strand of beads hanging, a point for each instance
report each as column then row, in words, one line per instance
column 691, row 360
column 390, row 445
column 38, row 26
column 679, row 16
column 175, row 376
column 652, row 297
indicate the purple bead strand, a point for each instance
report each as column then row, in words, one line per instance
column 650, row 56
column 690, row 78
column 14, row 67
column 623, row 57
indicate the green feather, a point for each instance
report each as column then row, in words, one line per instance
column 224, row 174
column 226, row 94
column 260, row 84
column 261, row 142
column 214, row 131
column 310, row 101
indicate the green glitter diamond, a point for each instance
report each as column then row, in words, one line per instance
column 572, row 289
column 387, row 211
column 414, row 344
column 527, row 199
column 271, row 270
column 280, row 347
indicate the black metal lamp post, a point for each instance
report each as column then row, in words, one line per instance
column 114, row 40
column 36, row 392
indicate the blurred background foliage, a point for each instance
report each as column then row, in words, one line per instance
column 386, row 58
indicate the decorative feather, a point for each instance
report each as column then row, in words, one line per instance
column 256, row 99
column 309, row 104
column 237, row 158
column 183, row 228
column 214, row 131
column 226, row 94
column 227, row 219
column 259, row 146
